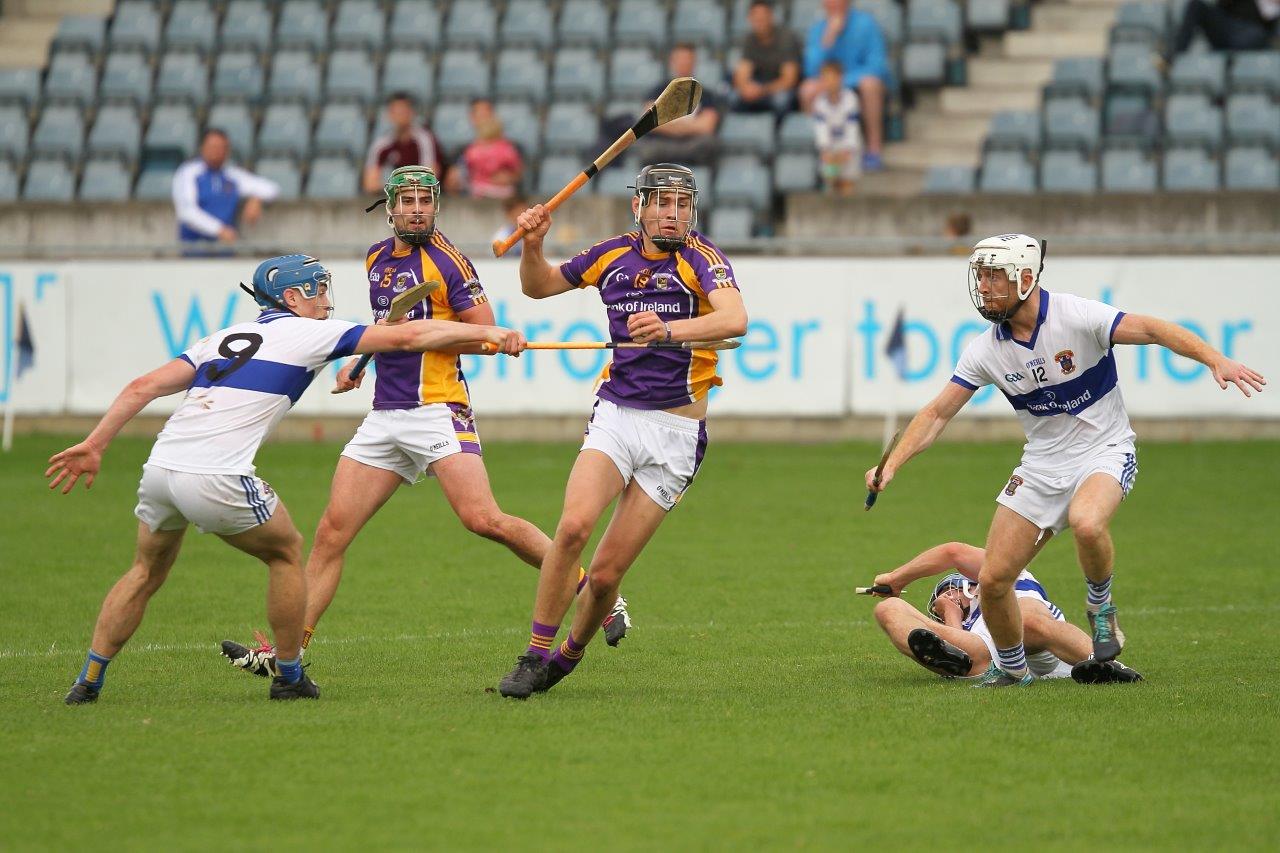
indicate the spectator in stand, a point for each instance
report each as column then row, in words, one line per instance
column 207, row 191
column 690, row 140
column 956, row 231
column 768, row 73
column 490, row 167
column 1229, row 24
column 406, row 144
column 835, row 129
column 853, row 39
column 512, row 207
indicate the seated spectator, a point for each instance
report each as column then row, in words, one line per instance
column 512, row 207
column 406, row 144
column 835, row 129
column 956, row 231
column 853, row 39
column 768, row 73
column 689, row 140
column 208, row 189
column 1229, row 24
column 490, row 167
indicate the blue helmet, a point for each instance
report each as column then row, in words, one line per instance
column 276, row 275
column 955, row 580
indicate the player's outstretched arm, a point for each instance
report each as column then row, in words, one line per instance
column 538, row 278
column 1140, row 329
column 423, row 335
column 84, row 459
column 953, row 556
column 924, row 428
column 728, row 319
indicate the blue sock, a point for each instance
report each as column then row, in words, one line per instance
column 290, row 670
column 1099, row 593
column 1012, row 660
column 95, row 670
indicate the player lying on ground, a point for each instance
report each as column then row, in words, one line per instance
column 647, row 432
column 961, row 645
column 1050, row 355
column 421, row 421
column 240, row 382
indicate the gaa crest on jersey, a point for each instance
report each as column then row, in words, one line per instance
column 1014, row 482
column 1066, row 361
column 642, row 278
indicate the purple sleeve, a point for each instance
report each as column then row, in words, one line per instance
column 463, row 288
column 575, row 269
column 713, row 268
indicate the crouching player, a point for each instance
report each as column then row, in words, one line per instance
column 961, row 646
column 240, row 382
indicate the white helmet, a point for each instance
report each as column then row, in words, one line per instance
column 1013, row 253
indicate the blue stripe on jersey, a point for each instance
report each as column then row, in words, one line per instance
column 1069, row 397
column 186, row 358
column 268, row 377
column 273, row 314
column 1028, row 585
column 964, row 383
column 347, row 343
column 1111, row 336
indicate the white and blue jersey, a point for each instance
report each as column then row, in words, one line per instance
column 247, row 378
column 1062, row 383
column 206, row 199
column 1043, row 663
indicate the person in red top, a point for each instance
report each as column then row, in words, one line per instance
column 407, row 143
column 491, row 164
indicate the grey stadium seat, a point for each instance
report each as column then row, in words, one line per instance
column 1253, row 117
column 342, row 128
column 285, row 129
column 238, row 75
column 452, row 126
column 1133, row 67
column 745, row 179
column 554, row 173
column 583, row 22
column 359, row 24
column 183, row 77
column 155, row 181
column 303, row 25
column 234, row 119
column 795, row 172
column 1142, row 23
column 407, row 71
column 577, row 73
column 1067, row 172
column 60, row 131
column 126, row 77
column 802, row 15
column 351, row 76
column 1192, row 120
column 294, row 76
column 738, row 26
column 704, row 178
column 1010, row 129
column 1070, row 123
column 732, row 223
column 71, row 78
column 527, row 23
column 614, row 181
column 8, row 181
column 750, row 132
column 521, row 125
column 87, row 33
column 796, row 133
column 14, row 131
column 1199, row 72
column 700, row 22
column 116, row 130
column 1252, row 168
column 106, row 179
column 640, row 22
column 570, row 126
column 1128, row 170
column 1130, row 116
column 463, row 74
column 987, row 16
column 1191, row 170
column 21, row 85
column 49, row 179
column 1077, row 76
column 282, row 169
column 471, row 23
column 888, row 15
column 192, row 26
column 1256, row 71
column 936, row 20
column 521, row 73
column 333, row 178
column 924, row 63
column 1007, row 172
column 172, row 126
column 633, row 73
column 955, row 180
column 246, row 25
column 414, row 24
column 135, row 26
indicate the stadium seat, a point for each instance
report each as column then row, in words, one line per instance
column 987, row 16
column 116, row 130
column 745, row 179
column 924, row 63
column 8, row 180
column 1067, row 172
column 351, row 76
column 577, row 73
column 700, row 22
column 234, row 119
column 342, row 129
column 640, row 22
column 1128, row 170
column 731, row 224
column 359, row 24
column 415, row 25
column 583, row 22
column 1130, row 117
column 1256, row 71
column 1077, row 76
column 617, row 179
column 294, row 77
column 704, row 178
column 802, row 16
column 192, row 25
column 155, row 180
column 1192, row 120
column 1018, row 130
column 749, row 132
column 633, row 73
column 521, row 125
column 1007, row 172
column 554, row 173
column 1253, row 118
column 303, row 25
column 49, row 179
column 171, row 127
column 795, row 172
column 1190, row 170
column 1199, row 72
column 286, row 129
column 949, row 180
column 246, row 25
column 84, row 33
column 1070, row 124
column 521, row 73
column 738, row 26
column 1133, row 68
column 126, row 77
column 71, row 78
column 888, row 15
column 14, row 131
column 451, row 124
column 796, row 133
column 1141, row 23
column 710, row 70
column 135, row 26
column 238, row 75
column 106, row 179
column 407, row 71
column 1251, row 168
column 471, row 23
column 183, row 77
column 936, row 20
column 59, row 132
column 570, row 127
column 333, row 178
column 464, row 74
column 284, row 170
column 527, row 23
column 20, row 85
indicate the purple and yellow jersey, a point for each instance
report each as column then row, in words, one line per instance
column 672, row 284
column 407, row 380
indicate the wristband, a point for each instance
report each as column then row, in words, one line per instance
column 667, row 327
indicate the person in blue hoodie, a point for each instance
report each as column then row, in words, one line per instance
column 207, row 191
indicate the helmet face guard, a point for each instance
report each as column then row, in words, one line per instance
column 1012, row 253
column 953, row 581
column 665, row 185
column 275, row 276
column 404, row 180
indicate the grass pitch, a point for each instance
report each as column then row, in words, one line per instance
column 754, row 705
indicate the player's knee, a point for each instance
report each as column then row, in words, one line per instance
column 995, row 583
column 1089, row 529
column 573, row 532
column 332, row 534
column 603, row 583
column 886, row 609
column 483, row 522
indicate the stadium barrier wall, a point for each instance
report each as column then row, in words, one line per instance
column 815, row 346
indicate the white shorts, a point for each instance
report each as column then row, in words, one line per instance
column 657, row 449
column 407, row 441
column 1044, row 499
column 225, row 504
column 1042, row 664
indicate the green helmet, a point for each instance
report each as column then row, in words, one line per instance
column 412, row 177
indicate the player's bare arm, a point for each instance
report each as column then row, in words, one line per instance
column 1140, row 329
column 952, row 556
column 728, row 319
column 923, row 430
column 425, row 335
column 84, row 459
column 538, row 278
